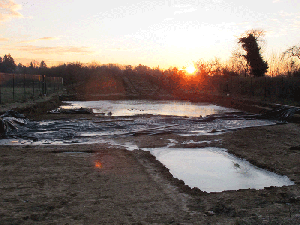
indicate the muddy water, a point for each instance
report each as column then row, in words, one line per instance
column 208, row 169
column 140, row 107
column 132, row 118
column 215, row 170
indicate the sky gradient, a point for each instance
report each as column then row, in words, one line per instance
column 154, row 33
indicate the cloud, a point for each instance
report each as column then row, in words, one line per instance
column 54, row 50
column 48, row 38
column 40, row 39
column 124, row 49
column 295, row 25
column 168, row 19
column 182, row 5
column 187, row 10
column 286, row 14
column 9, row 9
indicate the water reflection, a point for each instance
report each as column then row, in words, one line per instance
column 214, row 170
column 210, row 169
column 102, row 128
column 98, row 165
column 139, row 107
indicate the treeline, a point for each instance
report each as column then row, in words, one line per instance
column 172, row 79
column 214, row 76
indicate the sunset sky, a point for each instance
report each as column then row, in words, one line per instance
column 154, row 33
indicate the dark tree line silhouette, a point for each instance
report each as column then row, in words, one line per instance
column 112, row 77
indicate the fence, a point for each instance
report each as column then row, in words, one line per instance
column 276, row 88
column 21, row 87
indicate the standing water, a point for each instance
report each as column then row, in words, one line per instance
column 139, row 107
column 215, row 170
column 209, row 169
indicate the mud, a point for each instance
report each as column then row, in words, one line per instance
column 103, row 184
column 98, row 185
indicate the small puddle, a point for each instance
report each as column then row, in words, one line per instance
column 215, row 170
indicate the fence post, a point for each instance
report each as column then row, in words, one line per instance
column 24, row 87
column 13, row 87
column 0, row 89
column 39, row 85
column 282, row 88
column 251, row 86
column 33, row 88
column 265, row 87
column 231, row 89
column 43, row 85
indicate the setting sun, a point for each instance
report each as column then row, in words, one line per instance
column 190, row 69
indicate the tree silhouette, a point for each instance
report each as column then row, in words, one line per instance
column 8, row 64
column 43, row 65
column 293, row 51
column 249, row 42
column 21, row 69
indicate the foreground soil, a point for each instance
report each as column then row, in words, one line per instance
column 103, row 184
column 55, row 185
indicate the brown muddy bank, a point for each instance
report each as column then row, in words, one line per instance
column 34, row 110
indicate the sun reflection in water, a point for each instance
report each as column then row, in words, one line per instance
column 98, row 165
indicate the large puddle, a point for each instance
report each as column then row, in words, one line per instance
column 139, row 107
column 132, row 118
column 208, row 169
column 215, row 170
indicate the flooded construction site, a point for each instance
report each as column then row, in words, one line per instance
column 184, row 136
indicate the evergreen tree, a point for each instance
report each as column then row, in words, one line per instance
column 8, row 64
column 249, row 42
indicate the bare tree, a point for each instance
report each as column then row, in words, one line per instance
column 43, row 65
column 293, row 52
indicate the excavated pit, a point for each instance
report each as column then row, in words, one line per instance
column 121, row 123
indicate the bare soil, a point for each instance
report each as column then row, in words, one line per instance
column 102, row 184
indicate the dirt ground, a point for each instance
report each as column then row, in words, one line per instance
column 103, row 184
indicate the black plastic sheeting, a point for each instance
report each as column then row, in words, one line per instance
column 17, row 127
